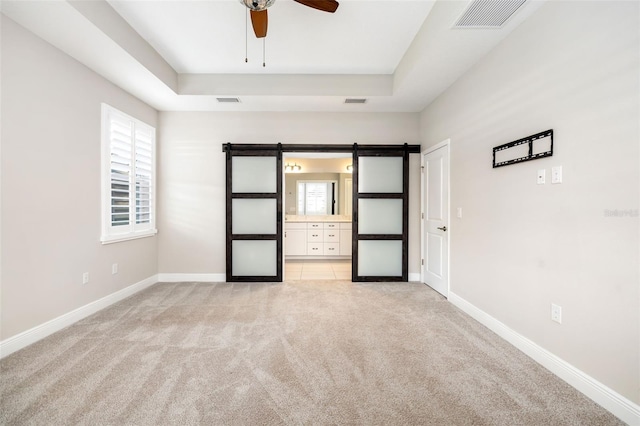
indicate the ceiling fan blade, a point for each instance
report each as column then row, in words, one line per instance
column 324, row 5
column 260, row 22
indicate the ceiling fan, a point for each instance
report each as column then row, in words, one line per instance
column 259, row 17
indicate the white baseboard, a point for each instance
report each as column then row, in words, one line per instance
column 623, row 408
column 200, row 278
column 414, row 277
column 26, row 338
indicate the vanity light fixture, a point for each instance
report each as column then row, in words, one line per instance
column 350, row 168
column 292, row 168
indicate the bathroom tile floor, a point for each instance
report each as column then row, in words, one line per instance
column 317, row 270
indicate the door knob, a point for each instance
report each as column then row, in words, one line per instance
column 444, row 228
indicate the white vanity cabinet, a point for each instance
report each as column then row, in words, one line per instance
column 295, row 239
column 318, row 239
column 345, row 239
column 331, row 239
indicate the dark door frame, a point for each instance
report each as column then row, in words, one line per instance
column 399, row 151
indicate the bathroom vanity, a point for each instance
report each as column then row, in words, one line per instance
column 309, row 237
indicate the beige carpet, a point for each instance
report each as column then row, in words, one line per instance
column 331, row 352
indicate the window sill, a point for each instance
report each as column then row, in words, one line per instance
column 119, row 238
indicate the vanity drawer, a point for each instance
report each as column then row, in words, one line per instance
column 331, row 249
column 314, row 235
column 331, row 225
column 295, row 225
column 314, row 225
column 331, row 235
column 314, row 249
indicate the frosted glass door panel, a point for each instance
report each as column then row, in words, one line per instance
column 253, row 174
column 380, row 258
column 254, row 258
column 253, row 216
column 380, row 174
column 380, row 216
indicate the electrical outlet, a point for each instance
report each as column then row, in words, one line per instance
column 114, row 269
column 556, row 174
column 556, row 313
column 85, row 278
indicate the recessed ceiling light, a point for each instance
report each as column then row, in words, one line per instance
column 355, row 101
column 228, row 100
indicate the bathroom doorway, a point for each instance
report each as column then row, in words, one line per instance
column 317, row 225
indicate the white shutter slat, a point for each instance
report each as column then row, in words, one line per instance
column 122, row 181
column 121, row 154
column 124, row 146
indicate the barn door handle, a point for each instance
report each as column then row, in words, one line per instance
column 444, row 228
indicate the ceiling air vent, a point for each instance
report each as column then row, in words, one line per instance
column 228, row 100
column 355, row 101
column 488, row 13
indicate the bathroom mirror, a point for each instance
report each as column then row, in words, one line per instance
column 320, row 187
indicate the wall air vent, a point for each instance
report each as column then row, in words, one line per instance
column 228, row 100
column 488, row 13
column 355, row 101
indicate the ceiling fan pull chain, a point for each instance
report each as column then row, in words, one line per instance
column 246, row 37
column 264, row 43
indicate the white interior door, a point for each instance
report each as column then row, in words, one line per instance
column 435, row 268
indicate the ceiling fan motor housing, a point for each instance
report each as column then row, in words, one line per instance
column 257, row 5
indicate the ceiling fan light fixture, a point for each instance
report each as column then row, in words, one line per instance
column 257, row 5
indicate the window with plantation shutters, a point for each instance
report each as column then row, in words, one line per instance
column 128, row 177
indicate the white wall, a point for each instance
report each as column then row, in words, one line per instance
column 192, row 173
column 51, row 185
column 574, row 68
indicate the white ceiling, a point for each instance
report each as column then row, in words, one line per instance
column 360, row 38
column 182, row 55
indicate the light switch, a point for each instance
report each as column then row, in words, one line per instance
column 459, row 213
column 542, row 175
column 556, row 174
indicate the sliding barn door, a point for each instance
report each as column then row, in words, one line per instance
column 380, row 214
column 254, row 212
